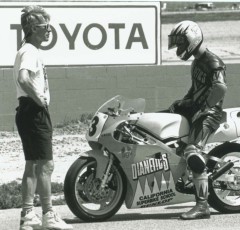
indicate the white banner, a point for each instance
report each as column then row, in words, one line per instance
column 93, row 33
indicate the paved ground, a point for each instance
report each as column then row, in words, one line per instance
column 160, row 218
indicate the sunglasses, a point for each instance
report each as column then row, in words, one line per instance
column 45, row 26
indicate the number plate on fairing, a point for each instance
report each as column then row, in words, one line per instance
column 96, row 126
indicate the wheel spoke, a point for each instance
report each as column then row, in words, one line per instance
column 103, row 205
column 223, row 193
column 92, row 200
column 79, row 187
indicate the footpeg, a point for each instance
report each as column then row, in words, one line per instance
column 186, row 188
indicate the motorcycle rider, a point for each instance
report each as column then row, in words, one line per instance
column 202, row 105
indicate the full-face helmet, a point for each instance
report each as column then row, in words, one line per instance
column 187, row 37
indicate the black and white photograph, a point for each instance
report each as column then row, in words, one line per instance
column 119, row 114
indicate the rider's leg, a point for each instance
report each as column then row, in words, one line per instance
column 201, row 209
column 198, row 137
column 196, row 162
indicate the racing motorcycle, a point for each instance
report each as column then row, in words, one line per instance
column 136, row 158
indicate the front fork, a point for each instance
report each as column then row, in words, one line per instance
column 106, row 176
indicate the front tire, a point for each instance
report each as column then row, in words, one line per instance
column 224, row 192
column 83, row 193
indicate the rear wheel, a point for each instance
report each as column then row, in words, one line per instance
column 224, row 192
column 84, row 195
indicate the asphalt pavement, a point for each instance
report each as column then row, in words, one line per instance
column 157, row 218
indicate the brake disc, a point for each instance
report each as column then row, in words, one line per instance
column 94, row 192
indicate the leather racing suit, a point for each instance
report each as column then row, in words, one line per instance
column 202, row 106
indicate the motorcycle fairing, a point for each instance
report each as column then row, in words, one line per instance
column 162, row 179
column 96, row 126
column 229, row 128
column 152, row 174
column 101, row 159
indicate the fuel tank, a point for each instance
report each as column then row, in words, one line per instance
column 172, row 126
column 164, row 125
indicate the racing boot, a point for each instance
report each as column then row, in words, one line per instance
column 201, row 209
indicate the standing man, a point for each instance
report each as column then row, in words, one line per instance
column 33, row 121
column 202, row 105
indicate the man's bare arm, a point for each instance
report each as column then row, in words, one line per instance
column 27, row 85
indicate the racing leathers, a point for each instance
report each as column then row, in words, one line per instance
column 202, row 106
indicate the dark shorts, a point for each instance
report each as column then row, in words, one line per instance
column 35, row 129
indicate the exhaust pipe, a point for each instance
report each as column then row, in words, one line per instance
column 219, row 172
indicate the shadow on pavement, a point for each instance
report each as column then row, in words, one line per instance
column 141, row 216
column 130, row 216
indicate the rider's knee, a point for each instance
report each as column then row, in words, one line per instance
column 195, row 160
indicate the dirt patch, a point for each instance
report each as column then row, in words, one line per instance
column 66, row 148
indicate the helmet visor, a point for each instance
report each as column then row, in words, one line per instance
column 175, row 41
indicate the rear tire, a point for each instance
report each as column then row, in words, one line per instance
column 224, row 196
column 83, row 194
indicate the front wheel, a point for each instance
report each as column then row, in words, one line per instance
column 84, row 195
column 224, row 192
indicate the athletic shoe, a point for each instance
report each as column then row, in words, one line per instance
column 52, row 220
column 30, row 221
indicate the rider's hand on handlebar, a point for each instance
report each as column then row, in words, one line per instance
column 175, row 104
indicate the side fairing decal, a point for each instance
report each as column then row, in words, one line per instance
column 149, row 166
column 155, row 195
column 154, row 182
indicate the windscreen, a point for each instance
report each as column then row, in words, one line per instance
column 122, row 105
